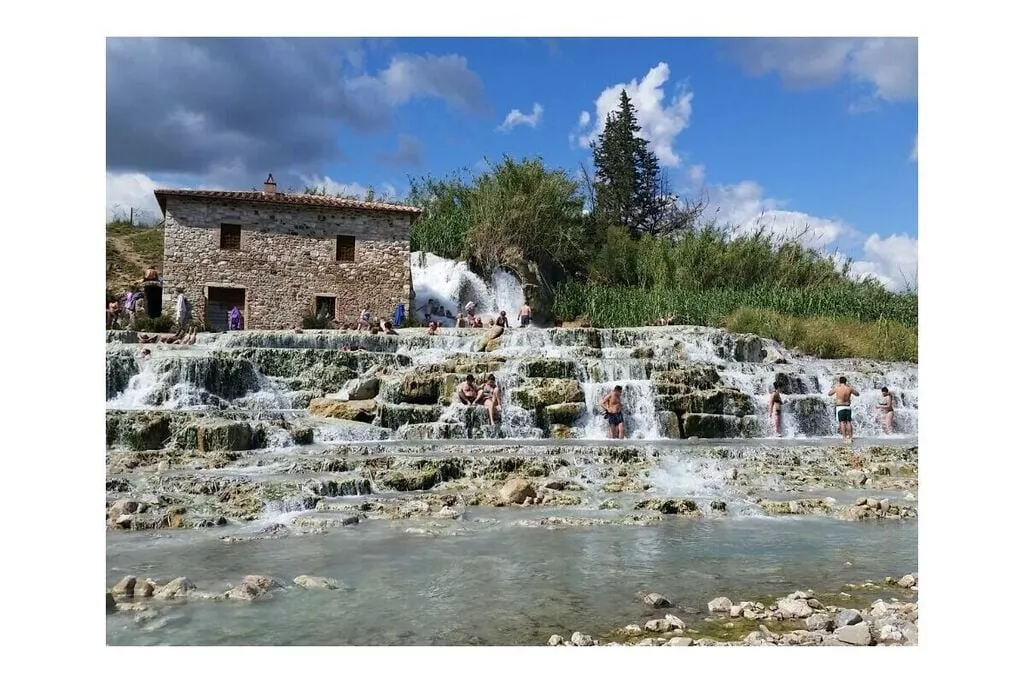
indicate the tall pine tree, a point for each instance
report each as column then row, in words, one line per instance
column 627, row 177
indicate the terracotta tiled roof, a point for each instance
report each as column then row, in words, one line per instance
column 282, row 198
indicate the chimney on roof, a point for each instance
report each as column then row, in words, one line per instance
column 269, row 186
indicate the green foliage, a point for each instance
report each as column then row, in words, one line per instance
column 883, row 339
column 143, row 323
column 519, row 210
column 514, row 211
column 443, row 227
column 630, row 306
column 627, row 176
column 311, row 321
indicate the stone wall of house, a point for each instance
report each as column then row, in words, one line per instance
column 287, row 258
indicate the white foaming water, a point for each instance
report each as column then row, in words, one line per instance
column 451, row 284
column 701, row 479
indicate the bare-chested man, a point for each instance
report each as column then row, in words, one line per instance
column 612, row 405
column 844, row 412
column 525, row 316
column 887, row 413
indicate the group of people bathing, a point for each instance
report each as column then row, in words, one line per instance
column 434, row 316
column 843, row 394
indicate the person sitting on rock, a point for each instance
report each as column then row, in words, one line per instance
column 460, row 321
column 432, row 328
column 478, row 323
column 388, row 327
column 467, row 391
column 502, row 320
column 490, row 396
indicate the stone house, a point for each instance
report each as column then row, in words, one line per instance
column 280, row 256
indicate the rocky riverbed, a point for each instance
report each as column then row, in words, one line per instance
column 800, row 618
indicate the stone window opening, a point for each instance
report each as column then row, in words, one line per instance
column 230, row 236
column 346, row 249
column 326, row 306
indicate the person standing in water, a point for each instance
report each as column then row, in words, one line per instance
column 775, row 409
column 886, row 410
column 525, row 316
column 844, row 412
column 612, row 405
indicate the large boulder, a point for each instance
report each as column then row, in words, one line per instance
column 540, row 393
column 690, row 378
column 489, row 341
column 142, row 431
column 358, row 411
column 811, row 413
column 706, row 426
column 748, row 348
column 214, row 434
column 516, row 491
column 796, row 383
column 418, row 388
column 716, row 401
column 668, row 421
column 359, row 389
column 564, row 413
column 394, row 415
column 555, row 368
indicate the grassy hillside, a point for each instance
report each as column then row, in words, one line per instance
column 130, row 250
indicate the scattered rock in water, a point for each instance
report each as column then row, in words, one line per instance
column 721, row 604
column 856, row 634
column 516, row 491
column 306, row 581
column 581, row 639
column 718, row 505
column 111, row 604
column 794, row 608
column 654, row 599
column 680, row 641
column 176, row 588
column 848, row 617
column 556, row 639
column 908, row 581
column 632, row 630
column 125, row 587
column 253, row 587
column 857, row 477
column 820, row 622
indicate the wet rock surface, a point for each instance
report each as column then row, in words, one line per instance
column 775, row 623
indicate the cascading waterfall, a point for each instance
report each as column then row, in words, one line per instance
column 451, row 284
column 223, row 372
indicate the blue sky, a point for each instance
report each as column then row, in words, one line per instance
column 786, row 132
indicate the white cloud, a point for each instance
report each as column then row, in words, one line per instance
column 893, row 260
column 127, row 191
column 745, row 207
column 409, row 76
column 696, row 175
column 518, row 118
column 660, row 120
column 887, row 65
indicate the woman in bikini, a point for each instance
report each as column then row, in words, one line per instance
column 887, row 412
column 467, row 391
column 490, row 396
column 775, row 409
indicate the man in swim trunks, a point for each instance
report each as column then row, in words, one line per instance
column 525, row 316
column 887, row 413
column 612, row 405
column 844, row 412
column 775, row 409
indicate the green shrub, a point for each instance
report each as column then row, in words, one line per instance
column 143, row 323
column 312, row 321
